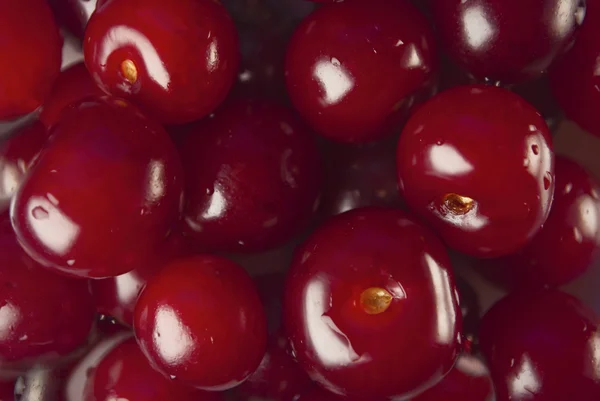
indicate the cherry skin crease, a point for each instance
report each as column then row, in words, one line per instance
column 547, row 352
column 177, row 60
column 253, row 177
column 359, row 86
column 568, row 243
column 31, row 48
column 102, row 195
column 191, row 317
column 483, row 181
column 354, row 287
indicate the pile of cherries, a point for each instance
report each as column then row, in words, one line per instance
column 264, row 199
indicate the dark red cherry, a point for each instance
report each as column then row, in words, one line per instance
column 476, row 163
column 542, row 346
column 116, row 296
column 72, row 85
column 355, row 287
column 278, row 377
column 17, row 154
column 102, row 195
column 7, row 390
column 31, row 51
column 73, row 14
column 176, row 59
column 567, row 244
column 359, row 175
column 200, row 322
column 125, row 374
column 574, row 79
column 317, row 393
column 469, row 380
column 253, row 176
column 43, row 317
column 355, row 68
column 482, row 35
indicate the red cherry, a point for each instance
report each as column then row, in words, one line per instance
column 316, row 393
column 72, row 85
column 43, row 317
column 102, row 195
column 32, row 53
column 124, row 373
column 469, row 380
column 176, row 59
column 567, row 244
column 354, row 289
column 542, row 346
column 7, row 390
column 574, row 79
column 73, row 14
column 476, row 163
column 17, row 154
column 116, row 296
column 200, row 321
column 355, row 68
column 482, row 35
column 253, row 178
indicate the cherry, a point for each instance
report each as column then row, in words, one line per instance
column 481, row 35
column 102, row 195
column 354, row 287
column 469, row 306
column 200, row 321
column 72, row 85
column 74, row 14
column 482, row 180
column 31, row 48
column 124, row 373
column 116, row 296
column 547, row 351
column 574, row 79
column 44, row 317
column 358, row 86
column 538, row 93
column 7, row 390
column 567, row 244
column 253, row 177
column 176, row 59
column 17, row 154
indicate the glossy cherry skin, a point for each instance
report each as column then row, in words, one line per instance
column 482, row 180
column 253, row 177
column 73, row 14
column 124, row 373
column 32, row 51
column 574, row 79
column 72, row 85
column 175, row 59
column 469, row 380
column 117, row 296
column 373, row 356
column 17, row 154
column 359, row 85
column 547, row 353
column 569, row 241
column 7, row 390
column 102, row 195
column 481, row 35
column 200, row 322
column 44, row 317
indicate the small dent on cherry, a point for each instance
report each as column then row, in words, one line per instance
column 458, row 204
column 39, row 213
column 129, row 71
column 547, row 180
column 535, row 149
column 375, row 300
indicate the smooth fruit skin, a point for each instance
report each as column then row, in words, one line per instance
column 253, row 177
column 373, row 356
column 74, row 14
column 102, row 195
column 547, row 352
column 354, row 69
column 7, row 390
column 200, row 322
column 124, row 373
column 489, row 146
column 481, row 35
column 568, row 243
column 574, row 79
column 43, row 317
column 72, row 85
column 32, row 54
column 176, row 59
